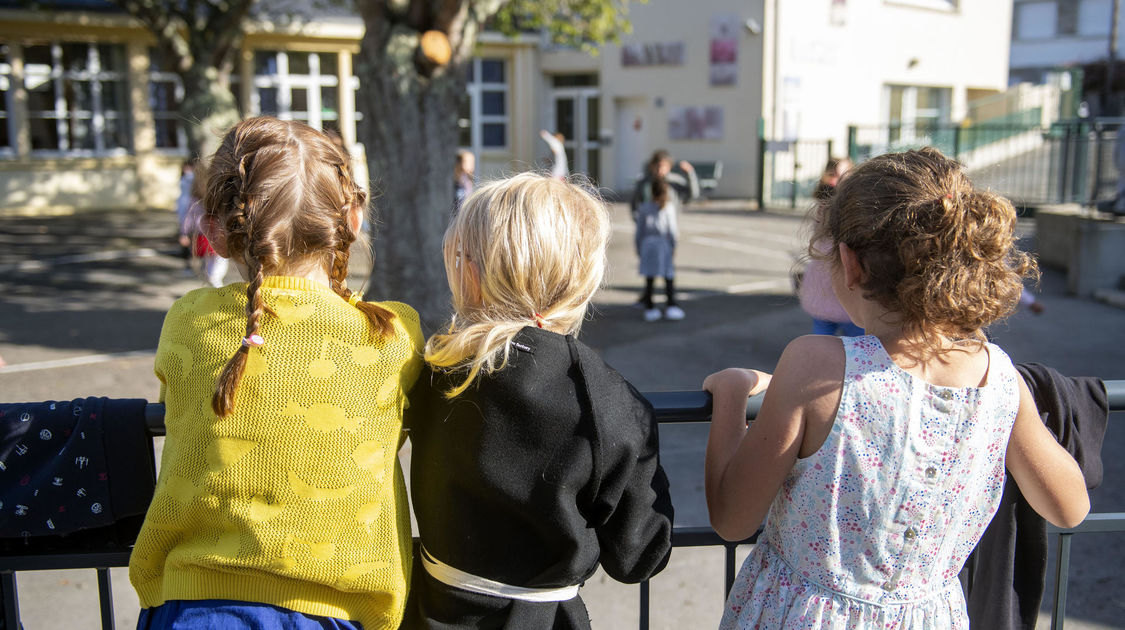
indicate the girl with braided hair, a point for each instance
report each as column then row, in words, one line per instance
column 878, row 461
column 280, row 501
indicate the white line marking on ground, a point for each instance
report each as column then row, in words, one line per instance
column 73, row 361
column 760, row 285
column 745, row 248
column 39, row 265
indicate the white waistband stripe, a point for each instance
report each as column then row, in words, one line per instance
column 468, row 582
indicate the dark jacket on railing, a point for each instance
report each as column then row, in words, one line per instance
column 1004, row 576
column 70, row 466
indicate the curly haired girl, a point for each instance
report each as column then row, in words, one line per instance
column 878, row 461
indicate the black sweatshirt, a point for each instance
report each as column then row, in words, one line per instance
column 1004, row 577
column 531, row 477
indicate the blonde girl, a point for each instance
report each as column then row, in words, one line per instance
column 280, row 502
column 877, row 461
column 532, row 459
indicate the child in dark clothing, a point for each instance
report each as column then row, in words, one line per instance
column 532, row 459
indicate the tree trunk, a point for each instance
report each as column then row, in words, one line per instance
column 208, row 108
column 409, row 130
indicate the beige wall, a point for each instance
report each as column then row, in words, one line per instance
column 644, row 96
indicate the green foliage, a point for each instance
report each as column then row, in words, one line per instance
column 582, row 24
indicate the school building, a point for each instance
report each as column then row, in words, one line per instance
column 89, row 110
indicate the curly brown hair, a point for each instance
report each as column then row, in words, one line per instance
column 282, row 192
column 935, row 250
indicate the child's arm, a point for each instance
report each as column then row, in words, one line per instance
column 745, row 467
column 1046, row 474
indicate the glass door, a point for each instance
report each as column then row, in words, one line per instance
column 577, row 117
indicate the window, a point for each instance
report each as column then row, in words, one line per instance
column 1094, row 17
column 914, row 112
column 165, row 92
column 77, row 97
column 296, row 85
column 5, row 92
column 483, row 120
column 1036, row 20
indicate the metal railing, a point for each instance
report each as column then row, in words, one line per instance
column 670, row 407
column 1068, row 161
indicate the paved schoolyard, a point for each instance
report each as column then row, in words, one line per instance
column 82, row 299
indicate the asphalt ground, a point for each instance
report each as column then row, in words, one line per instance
column 82, row 299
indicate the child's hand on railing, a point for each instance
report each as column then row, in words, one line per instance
column 737, row 380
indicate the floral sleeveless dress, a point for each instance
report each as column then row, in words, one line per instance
column 872, row 529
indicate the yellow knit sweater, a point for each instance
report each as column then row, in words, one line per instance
column 296, row 499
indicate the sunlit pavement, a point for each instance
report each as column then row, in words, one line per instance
column 82, row 300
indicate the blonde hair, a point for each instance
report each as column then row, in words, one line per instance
column 936, row 251
column 538, row 248
column 282, row 193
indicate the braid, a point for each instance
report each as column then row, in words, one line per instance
column 380, row 317
column 222, row 402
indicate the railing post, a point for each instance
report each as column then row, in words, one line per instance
column 644, row 605
column 852, row 151
column 1064, row 164
column 761, row 173
column 1093, row 196
column 729, row 577
column 11, row 602
column 105, row 598
column 1062, row 568
column 796, row 165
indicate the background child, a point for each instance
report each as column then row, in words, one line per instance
column 682, row 187
column 183, row 205
column 656, row 236
column 280, row 502
column 560, row 168
column 815, row 291
column 532, row 459
column 213, row 264
column 464, row 176
column 880, row 459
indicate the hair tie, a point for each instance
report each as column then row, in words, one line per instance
column 355, row 298
column 538, row 319
column 253, row 341
column 949, row 195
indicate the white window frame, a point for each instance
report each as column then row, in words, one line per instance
column 97, row 115
column 908, row 123
column 312, row 83
column 164, row 76
column 477, row 119
column 6, row 87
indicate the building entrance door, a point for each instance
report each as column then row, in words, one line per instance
column 577, row 118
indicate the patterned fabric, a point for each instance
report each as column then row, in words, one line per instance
column 63, row 468
column 872, row 530
column 295, row 499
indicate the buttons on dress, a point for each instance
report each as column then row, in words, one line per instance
column 931, row 472
column 945, row 394
column 910, row 533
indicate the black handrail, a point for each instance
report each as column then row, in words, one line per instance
column 669, row 407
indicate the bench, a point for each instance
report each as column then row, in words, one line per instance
column 709, row 174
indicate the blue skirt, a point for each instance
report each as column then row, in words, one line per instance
column 223, row 613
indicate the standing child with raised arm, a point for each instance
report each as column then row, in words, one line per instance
column 280, row 502
column 878, row 461
column 532, row 460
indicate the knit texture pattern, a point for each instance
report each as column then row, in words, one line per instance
column 296, row 499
